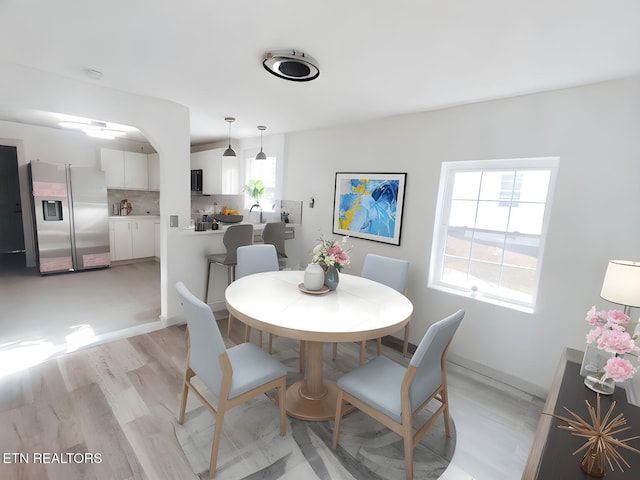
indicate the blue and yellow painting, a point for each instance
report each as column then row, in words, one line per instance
column 368, row 206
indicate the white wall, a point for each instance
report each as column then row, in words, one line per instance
column 593, row 129
column 165, row 125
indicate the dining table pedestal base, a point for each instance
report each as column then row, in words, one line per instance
column 315, row 408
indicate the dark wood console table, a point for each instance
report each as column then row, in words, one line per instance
column 551, row 453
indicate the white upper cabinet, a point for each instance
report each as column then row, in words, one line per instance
column 125, row 170
column 136, row 171
column 220, row 175
column 113, row 167
column 153, row 163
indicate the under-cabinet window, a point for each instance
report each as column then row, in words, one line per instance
column 490, row 229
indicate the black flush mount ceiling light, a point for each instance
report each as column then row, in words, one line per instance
column 261, row 155
column 229, row 151
column 291, row 65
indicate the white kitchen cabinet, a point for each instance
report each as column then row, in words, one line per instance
column 153, row 164
column 125, row 170
column 136, row 171
column 131, row 239
column 121, row 247
column 220, row 175
column 112, row 162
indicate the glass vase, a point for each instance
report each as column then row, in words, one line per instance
column 592, row 369
column 331, row 277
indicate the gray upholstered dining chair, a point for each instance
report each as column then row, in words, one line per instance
column 234, row 375
column 273, row 233
column 234, row 236
column 393, row 273
column 257, row 259
column 394, row 395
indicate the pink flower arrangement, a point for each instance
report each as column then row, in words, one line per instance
column 331, row 252
column 611, row 335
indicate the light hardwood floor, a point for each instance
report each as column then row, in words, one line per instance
column 120, row 399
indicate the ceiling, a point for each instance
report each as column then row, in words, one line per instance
column 377, row 58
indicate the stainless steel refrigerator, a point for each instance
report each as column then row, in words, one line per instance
column 71, row 217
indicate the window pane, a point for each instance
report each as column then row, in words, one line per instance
column 486, row 276
column 454, row 270
column 522, row 250
column 520, row 280
column 535, row 185
column 527, row 218
column 487, row 246
column 458, row 242
column 466, row 185
column 491, row 216
column 492, row 184
column 463, row 213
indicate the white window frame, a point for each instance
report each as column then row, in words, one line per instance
column 445, row 192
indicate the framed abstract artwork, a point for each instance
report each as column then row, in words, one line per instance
column 369, row 206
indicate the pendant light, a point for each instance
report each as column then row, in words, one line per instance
column 229, row 151
column 261, row 155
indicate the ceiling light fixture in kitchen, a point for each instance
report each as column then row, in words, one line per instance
column 261, row 155
column 229, row 151
column 291, row 65
column 93, row 128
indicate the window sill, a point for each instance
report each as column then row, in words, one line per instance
column 482, row 298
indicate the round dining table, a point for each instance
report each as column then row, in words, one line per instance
column 358, row 309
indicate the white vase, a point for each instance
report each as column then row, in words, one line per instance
column 313, row 277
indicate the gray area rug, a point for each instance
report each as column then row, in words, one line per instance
column 251, row 447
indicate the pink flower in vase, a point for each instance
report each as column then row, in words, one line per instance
column 616, row 341
column 619, row 369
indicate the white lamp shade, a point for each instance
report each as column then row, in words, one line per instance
column 622, row 283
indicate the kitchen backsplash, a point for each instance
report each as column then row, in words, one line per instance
column 142, row 202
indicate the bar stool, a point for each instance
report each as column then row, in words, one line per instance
column 273, row 233
column 235, row 236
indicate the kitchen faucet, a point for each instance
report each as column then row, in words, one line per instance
column 254, row 206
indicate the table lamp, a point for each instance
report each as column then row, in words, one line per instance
column 622, row 284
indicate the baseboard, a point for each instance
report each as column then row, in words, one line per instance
column 397, row 344
column 509, row 380
column 497, row 375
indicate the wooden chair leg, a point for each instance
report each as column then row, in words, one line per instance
column 247, row 333
column 260, row 338
column 206, row 288
column 408, row 453
column 363, row 345
column 281, row 403
column 445, row 412
column 229, row 326
column 185, row 391
column 338, row 420
column 270, row 343
column 405, row 344
column 379, row 346
column 216, row 442
column 335, row 350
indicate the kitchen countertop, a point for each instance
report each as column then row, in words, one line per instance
column 257, row 227
column 133, row 217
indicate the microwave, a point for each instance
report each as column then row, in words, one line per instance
column 196, row 181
